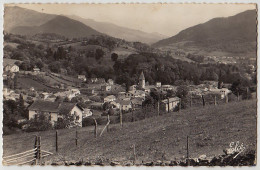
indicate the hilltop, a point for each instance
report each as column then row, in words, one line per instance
column 59, row 25
column 121, row 32
column 235, row 34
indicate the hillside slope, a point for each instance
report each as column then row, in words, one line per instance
column 121, row 32
column 59, row 25
column 155, row 138
column 223, row 33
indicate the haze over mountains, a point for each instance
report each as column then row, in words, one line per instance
column 28, row 22
column 238, row 29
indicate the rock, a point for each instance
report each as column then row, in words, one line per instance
column 202, row 157
column 87, row 163
column 114, row 163
column 148, row 164
column 158, row 163
column 58, row 163
column 167, row 163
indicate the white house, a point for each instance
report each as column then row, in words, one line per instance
column 9, row 65
column 82, row 77
column 55, row 110
column 109, row 98
column 222, row 92
column 170, row 104
column 106, row 88
column 158, row 84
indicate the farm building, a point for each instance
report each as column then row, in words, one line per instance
column 9, row 65
column 82, row 77
column 55, row 110
column 36, row 70
column 106, row 88
column 110, row 82
column 109, row 98
column 170, row 104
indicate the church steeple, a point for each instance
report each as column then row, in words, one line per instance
column 142, row 80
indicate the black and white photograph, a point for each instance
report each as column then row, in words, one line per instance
column 129, row 84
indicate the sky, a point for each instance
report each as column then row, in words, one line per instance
column 167, row 19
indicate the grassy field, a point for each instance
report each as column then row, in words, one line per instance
column 210, row 130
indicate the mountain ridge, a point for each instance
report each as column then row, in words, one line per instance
column 218, row 29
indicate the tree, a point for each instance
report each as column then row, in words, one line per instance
column 114, row 57
column 99, row 54
column 58, row 99
column 39, row 123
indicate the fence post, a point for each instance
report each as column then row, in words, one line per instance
column 36, row 151
column 56, row 141
column 76, row 139
column 227, row 98
column 215, row 100
column 191, row 100
column 39, row 149
column 134, row 154
column 247, row 93
column 95, row 130
column 188, row 161
column 180, row 105
column 158, row 108
column 203, row 101
column 108, row 120
column 237, row 96
column 168, row 101
column 132, row 112
column 121, row 115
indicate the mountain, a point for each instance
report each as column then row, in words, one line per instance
column 28, row 22
column 17, row 16
column 59, row 25
column 238, row 30
column 121, row 32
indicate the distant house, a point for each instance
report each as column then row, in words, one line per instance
column 55, row 110
column 137, row 102
column 36, row 70
column 82, row 77
column 222, row 92
column 135, row 93
column 70, row 94
column 93, row 80
column 110, row 82
column 170, row 104
column 125, row 105
column 158, row 84
column 87, row 113
column 101, row 80
column 109, row 98
column 106, row 88
column 10, row 66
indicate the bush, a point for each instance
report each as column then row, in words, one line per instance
column 39, row 123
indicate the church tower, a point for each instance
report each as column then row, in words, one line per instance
column 142, row 80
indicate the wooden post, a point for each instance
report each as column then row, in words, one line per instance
column 215, row 101
column 108, row 120
column 227, row 98
column 247, row 93
column 39, row 149
column 237, row 96
column 56, row 141
column 95, row 130
column 158, row 108
column 134, row 154
column 188, row 161
column 180, row 105
column 121, row 115
column 191, row 100
column 203, row 101
column 168, row 101
column 132, row 112
column 76, row 139
column 36, row 151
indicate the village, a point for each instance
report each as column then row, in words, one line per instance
column 95, row 97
